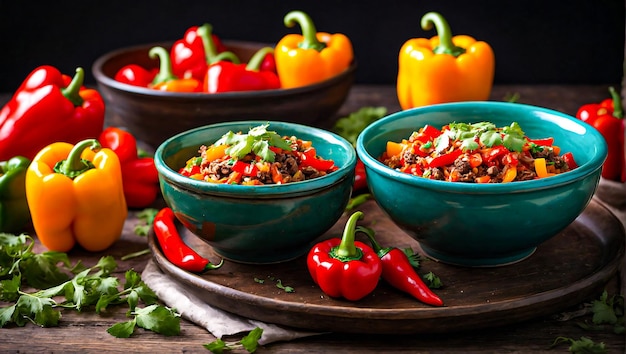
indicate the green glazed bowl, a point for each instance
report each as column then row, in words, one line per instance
column 472, row 224
column 256, row 224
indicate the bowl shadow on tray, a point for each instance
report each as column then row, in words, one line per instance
column 153, row 116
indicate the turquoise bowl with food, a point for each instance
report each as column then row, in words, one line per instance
column 256, row 224
column 483, row 224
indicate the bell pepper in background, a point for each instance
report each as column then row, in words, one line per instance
column 443, row 68
column 75, row 195
column 46, row 108
column 312, row 56
column 173, row 246
column 136, row 75
column 399, row 272
column 343, row 267
column 139, row 174
column 14, row 212
column 608, row 118
column 190, row 54
column 165, row 80
column 228, row 76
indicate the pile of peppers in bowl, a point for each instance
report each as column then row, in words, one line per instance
column 200, row 62
column 476, row 153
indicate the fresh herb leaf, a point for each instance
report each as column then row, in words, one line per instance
column 146, row 218
column 511, row 137
column 351, row 126
column 250, row 343
column 414, row 258
column 123, row 329
column 287, row 289
column 583, row 345
column 159, row 319
column 432, row 280
column 258, row 140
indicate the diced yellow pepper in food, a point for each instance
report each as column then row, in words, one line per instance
column 510, row 174
column 394, row 149
column 540, row 167
column 215, row 152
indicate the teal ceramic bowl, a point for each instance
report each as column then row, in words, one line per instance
column 256, row 224
column 472, row 224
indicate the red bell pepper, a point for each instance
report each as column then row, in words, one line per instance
column 246, row 169
column 136, row 75
column 345, row 267
column 173, row 246
column 226, row 76
column 360, row 178
column 399, row 273
column 428, row 133
column 49, row 107
column 445, row 159
column 309, row 158
column 190, row 54
column 140, row 178
column 608, row 118
column 165, row 80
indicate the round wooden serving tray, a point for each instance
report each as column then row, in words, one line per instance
column 570, row 268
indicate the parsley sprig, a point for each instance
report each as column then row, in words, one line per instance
column 258, row 140
column 512, row 137
column 37, row 285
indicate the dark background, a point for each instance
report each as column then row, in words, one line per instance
column 538, row 42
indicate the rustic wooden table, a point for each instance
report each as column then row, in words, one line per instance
column 83, row 332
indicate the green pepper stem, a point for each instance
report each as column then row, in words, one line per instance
column 206, row 34
column 618, row 110
column 309, row 32
column 347, row 250
column 226, row 56
column 211, row 266
column 254, row 64
column 165, row 65
column 380, row 251
column 71, row 92
column 73, row 166
column 443, row 31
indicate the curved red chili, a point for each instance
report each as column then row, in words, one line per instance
column 399, row 273
column 174, row 248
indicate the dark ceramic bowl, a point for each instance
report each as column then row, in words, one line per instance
column 153, row 116
column 473, row 224
column 257, row 224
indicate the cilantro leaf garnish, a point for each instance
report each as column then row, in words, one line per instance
column 351, row 126
column 511, row 137
column 257, row 141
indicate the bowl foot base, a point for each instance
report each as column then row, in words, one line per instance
column 476, row 261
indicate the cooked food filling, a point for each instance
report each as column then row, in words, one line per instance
column 258, row 158
column 476, row 153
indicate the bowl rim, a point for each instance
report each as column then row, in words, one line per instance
column 582, row 171
column 240, row 191
column 102, row 78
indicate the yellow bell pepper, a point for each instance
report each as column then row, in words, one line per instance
column 311, row 57
column 75, row 195
column 443, row 68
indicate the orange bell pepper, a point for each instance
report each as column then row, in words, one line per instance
column 443, row 68
column 75, row 195
column 311, row 57
column 165, row 80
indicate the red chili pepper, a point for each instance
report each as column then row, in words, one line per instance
column 445, row 159
column 309, row 158
column 133, row 74
column 542, row 142
column 49, row 107
column 173, row 246
column 607, row 117
column 190, row 54
column 345, row 267
column 226, row 76
column 165, row 80
column 399, row 273
column 139, row 175
column 360, row 179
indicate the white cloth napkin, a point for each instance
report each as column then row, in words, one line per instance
column 218, row 322
column 221, row 323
